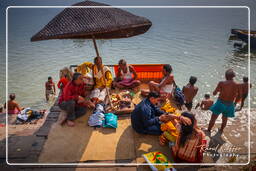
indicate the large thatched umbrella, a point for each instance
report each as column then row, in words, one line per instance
column 93, row 23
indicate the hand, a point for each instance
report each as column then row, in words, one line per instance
column 80, row 99
column 185, row 120
column 202, row 148
column 89, row 104
column 164, row 118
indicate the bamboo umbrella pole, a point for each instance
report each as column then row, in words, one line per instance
column 102, row 72
column 95, row 46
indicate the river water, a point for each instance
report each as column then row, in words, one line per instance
column 195, row 41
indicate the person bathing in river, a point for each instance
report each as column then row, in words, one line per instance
column 206, row 103
column 49, row 88
column 13, row 106
column 228, row 91
column 126, row 76
column 102, row 81
column 243, row 89
column 190, row 91
column 72, row 100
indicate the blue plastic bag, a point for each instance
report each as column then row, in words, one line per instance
column 110, row 121
column 179, row 96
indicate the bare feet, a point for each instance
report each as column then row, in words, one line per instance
column 62, row 118
column 237, row 110
column 70, row 123
column 220, row 131
column 207, row 132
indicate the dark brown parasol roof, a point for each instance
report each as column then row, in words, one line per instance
column 102, row 23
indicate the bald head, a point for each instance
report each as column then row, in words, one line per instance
column 230, row 74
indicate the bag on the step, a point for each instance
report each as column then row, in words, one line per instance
column 179, row 96
column 110, row 121
column 24, row 114
column 158, row 161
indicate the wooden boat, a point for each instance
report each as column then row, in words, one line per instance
column 243, row 35
column 145, row 72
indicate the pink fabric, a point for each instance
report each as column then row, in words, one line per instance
column 127, row 82
column 15, row 111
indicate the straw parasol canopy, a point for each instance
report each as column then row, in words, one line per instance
column 93, row 23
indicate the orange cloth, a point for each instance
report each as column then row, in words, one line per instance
column 145, row 71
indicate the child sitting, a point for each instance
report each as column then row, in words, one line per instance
column 13, row 106
column 206, row 103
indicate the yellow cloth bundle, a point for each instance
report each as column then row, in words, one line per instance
column 170, row 128
column 98, row 77
column 170, row 137
column 84, row 68
column 167, row 107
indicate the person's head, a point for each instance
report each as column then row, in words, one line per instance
column 154, row 97
column 66, row 71
column 77, row 78
column 122, row 64
column 207, row 96
column 98, row 61
column 49, row 78
column 186, row 130
column 230, row 74
column 192, row 80
column 167, row 69
column 12, row 96
column 245, row 79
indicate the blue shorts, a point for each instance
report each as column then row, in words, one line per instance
column 226, row 108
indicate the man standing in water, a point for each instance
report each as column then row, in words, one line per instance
column 49, row 88
column 228, row 91
column 244, row 89
column 190, row 91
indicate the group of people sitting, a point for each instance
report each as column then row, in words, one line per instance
column 75, row 99
column 147, row 117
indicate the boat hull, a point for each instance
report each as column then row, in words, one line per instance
column 244, row 36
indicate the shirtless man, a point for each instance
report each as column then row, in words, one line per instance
column 165, row 87
column 243, row 88
column 190, row 91
column 206, row 103
column 49, row 88
column 13, row 106
column 228, row 92
column 126, row 76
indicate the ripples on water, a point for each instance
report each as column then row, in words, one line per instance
column 195, row 42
